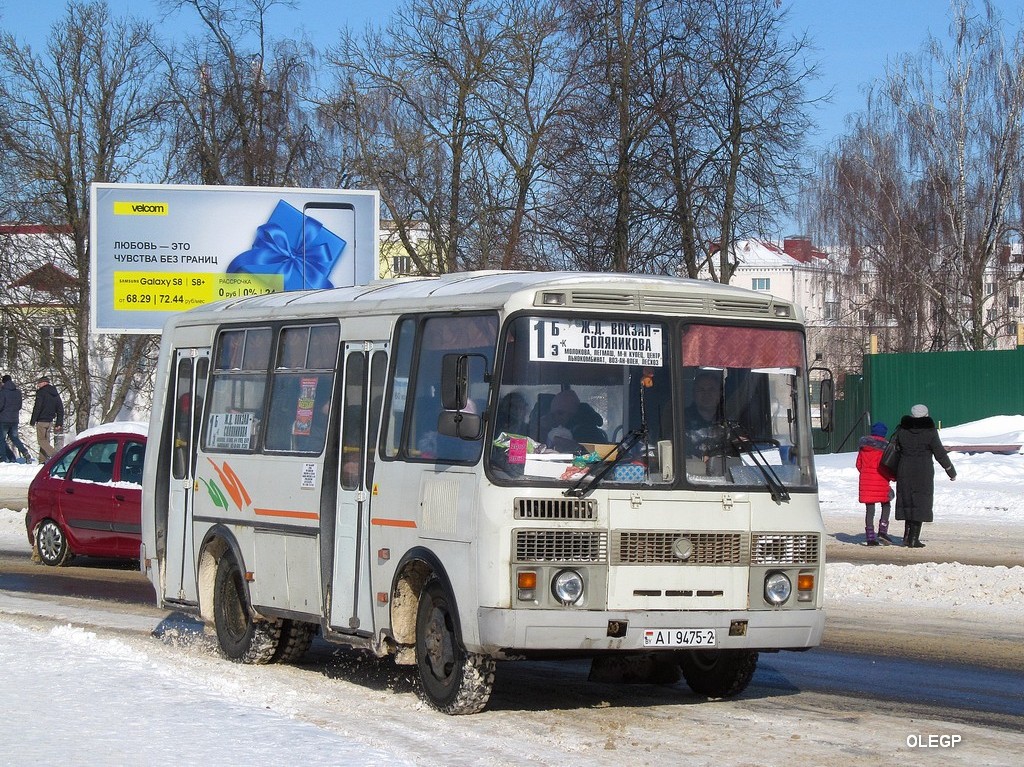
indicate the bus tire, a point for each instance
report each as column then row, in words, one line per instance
column 241, row 637
column 451, row 680
column 296, row 637
column 718, row 673
column 52, row 544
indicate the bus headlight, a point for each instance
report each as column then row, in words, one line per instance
column 567, row 587
column 777, row 588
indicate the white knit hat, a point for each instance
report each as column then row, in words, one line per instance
column 919, row 411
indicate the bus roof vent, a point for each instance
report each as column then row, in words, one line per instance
column 660, row 302
column 736, row 305
column 599, row 299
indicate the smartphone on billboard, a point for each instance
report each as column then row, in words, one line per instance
column 337, row 236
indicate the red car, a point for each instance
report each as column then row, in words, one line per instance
column 87, row 499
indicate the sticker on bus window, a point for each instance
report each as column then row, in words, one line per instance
column 303, row 425
column 231, row 431
column 596, row 342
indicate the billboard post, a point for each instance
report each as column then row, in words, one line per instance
column 158, row 249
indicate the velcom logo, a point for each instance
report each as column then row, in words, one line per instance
column 127, row 208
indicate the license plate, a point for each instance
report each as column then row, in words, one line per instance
column 680, row 638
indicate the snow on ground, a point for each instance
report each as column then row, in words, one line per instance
column 78, row 696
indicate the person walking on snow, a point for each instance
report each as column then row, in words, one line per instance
column 873, row 487
column 47, row 416
column 10, row 412
column 919, row 443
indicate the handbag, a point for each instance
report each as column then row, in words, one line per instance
column 890, row 460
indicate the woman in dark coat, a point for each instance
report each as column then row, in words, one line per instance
column 915, row 477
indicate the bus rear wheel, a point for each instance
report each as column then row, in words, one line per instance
column 452, row 680
column 718, row 673
column 296, row 637
column 241, row 636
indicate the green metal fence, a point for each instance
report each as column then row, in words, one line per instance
column 957, row 387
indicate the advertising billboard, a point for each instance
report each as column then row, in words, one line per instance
column 158, row 249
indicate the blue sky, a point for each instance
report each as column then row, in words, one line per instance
column 854, row 38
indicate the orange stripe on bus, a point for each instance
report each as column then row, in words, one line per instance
column 393, row 522
column 287, row 513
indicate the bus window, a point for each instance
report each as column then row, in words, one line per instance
column 395, row 423
column 300, row 396
column 473, row 335
column 239, row 384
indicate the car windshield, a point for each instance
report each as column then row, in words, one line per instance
column 696, row 403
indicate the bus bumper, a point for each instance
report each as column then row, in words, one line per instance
column 505, row 631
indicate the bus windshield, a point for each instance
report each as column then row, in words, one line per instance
column 666, row 402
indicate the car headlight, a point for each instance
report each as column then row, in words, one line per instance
column 777, row 588
column 567, row 586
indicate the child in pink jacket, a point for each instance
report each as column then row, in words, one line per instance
column 873, row 487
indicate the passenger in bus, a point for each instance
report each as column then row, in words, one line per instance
column 569, row 422
column 703, row 417
column 513, row 415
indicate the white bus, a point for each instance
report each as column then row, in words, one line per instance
column 487, row 466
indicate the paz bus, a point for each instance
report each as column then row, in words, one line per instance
column 488, row 466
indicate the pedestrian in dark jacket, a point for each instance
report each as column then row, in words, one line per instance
column 873, row 487
column 919, row 443
column 47, row 416
column 10, row 414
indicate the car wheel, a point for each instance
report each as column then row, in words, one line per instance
column 451, row 680
column 52, row 544
column 241, row 636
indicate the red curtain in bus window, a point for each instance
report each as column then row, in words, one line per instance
column 724, row 346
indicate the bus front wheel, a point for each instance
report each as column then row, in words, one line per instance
column 452, row 680
column 718, row 673
column 241, row 637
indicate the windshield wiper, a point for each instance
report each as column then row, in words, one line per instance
column 620, row 451
column 744, row 443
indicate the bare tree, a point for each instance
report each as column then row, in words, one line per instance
column 240, row 100
column 84, row 110
column 419, row 97
column 926, row 187
column 734, row 116
column 604, row 158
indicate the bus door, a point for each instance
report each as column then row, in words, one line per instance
column 192, row 368
column 365, row 369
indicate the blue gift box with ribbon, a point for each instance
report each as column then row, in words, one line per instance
column 297, row 247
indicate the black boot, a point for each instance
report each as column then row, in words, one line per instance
column 908, row 526
column 916, row 535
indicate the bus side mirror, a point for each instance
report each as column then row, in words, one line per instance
column 454, row 381
column 827, row 400
column 458, row 371
column 457, row 423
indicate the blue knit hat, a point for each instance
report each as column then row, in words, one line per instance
column 879, row 429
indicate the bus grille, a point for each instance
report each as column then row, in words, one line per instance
column 561, row 546
column 555, row 508
column 640, row 547
column 784, row 549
